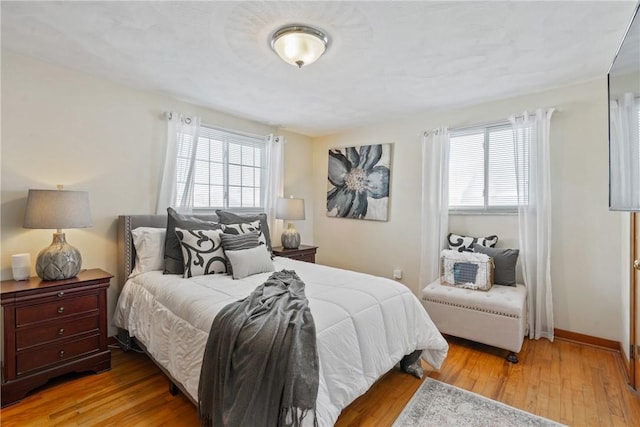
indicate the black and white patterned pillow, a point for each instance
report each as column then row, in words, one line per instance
column 465, row 243
column 202, row 252
column 173, row 260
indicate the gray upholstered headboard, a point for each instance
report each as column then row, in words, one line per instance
column 126, row 250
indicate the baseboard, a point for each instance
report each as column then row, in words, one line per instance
column 587, row 339
column 626, row 365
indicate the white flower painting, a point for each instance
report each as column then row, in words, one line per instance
column 358, row 182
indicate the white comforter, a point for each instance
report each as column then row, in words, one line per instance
column 365, row 325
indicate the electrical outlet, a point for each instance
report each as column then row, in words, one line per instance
column 397, row 273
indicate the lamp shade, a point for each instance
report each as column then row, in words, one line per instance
column 57, row 209
column 291, row 209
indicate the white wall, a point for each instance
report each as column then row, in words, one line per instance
column 63, row 127
column 298, row 158
column 587, row 237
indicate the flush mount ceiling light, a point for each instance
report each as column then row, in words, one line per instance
column 299, row 45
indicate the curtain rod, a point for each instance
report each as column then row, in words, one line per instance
column 486, row 124
column 169, row 115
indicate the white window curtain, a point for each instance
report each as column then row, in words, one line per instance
column 435, row 203
column 625, row 178
column 275, row 180
column 176, row 187
column 531, row 147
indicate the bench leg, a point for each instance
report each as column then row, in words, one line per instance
column 512, row 357
column 173, row 389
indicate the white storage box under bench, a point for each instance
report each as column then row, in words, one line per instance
column 497, row 317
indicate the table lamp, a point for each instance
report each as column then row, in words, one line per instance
column 290, row 209
column 57, row 209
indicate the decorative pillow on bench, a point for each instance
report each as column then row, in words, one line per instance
column 465, row 243
column 505, row 263
column 466, row 270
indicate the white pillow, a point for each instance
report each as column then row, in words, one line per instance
column 481, row 277
column 149, row 244
column 246, row 262
column 202, row 252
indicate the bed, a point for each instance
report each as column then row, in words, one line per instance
column 364, row 324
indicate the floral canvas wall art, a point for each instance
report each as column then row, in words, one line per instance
column 358, row 182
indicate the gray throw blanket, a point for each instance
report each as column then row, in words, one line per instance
column 260, row 365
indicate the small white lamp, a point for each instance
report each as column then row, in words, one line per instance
column 58, row 209
column 290, row 209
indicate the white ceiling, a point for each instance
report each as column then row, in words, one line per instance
column 385, row 59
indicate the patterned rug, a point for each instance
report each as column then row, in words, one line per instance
column 438, row 404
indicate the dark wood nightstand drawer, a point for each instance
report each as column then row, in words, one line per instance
column 304, row 257
column 56, row 309
column 303, row 253
column 55, row 331
column 55, row 353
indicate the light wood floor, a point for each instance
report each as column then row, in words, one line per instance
column 571, row 383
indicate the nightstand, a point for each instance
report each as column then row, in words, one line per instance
column 53, row 328
column 303, row 253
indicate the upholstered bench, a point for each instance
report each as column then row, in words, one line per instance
column 497, row 317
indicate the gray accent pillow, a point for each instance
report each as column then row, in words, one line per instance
column 244, row 228
column 465, row 243
column 505, row 264
column 173, row 260
column 237, row 242
column 227, row 217
column 246, row 262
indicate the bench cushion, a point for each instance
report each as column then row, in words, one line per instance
column 502, row 300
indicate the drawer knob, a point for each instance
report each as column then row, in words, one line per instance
column 61, row 354
column 61, row 293
column 60, row 331
column 60, row 309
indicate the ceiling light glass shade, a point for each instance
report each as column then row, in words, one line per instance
column 299, row 45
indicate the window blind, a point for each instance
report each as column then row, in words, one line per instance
column 466, row 170
column 229, row 169
column 482, row 173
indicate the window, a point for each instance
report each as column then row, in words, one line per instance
column 229, row 169
column 482, row 174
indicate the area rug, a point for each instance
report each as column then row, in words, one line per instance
column 438, row 404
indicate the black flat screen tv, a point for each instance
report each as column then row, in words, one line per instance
column 624, row 121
